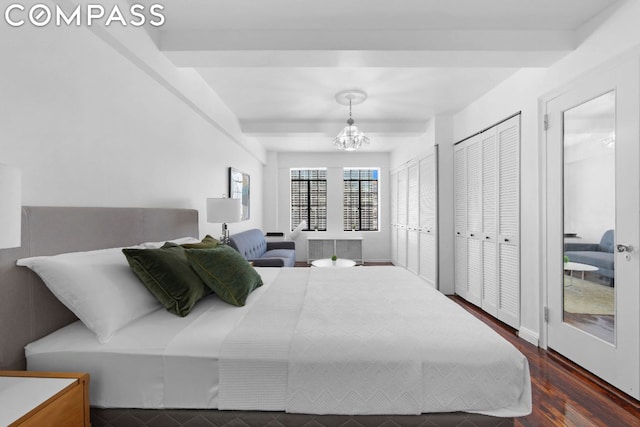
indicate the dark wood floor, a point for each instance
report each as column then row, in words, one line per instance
column 563, row 393
column 601, row 326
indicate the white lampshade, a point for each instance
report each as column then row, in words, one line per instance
column 224, row 210
column 10, row 206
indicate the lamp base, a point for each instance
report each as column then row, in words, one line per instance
column 224, row 239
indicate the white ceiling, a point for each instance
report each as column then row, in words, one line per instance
column 277, row 64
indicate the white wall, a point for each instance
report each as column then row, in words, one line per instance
column 603, row 40
column 589, row 207
column 376, row 244
column 91, row 124
column 270, row 189
column 414, row 147
column 446, row 204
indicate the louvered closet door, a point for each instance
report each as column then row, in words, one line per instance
column 489, row 224
column 393, row 185
column 460, row 196
column 413, row 210
column 474, row 221
column 403, row 178
column 508, row 138
column 428, row 241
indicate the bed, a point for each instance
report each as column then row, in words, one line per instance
column 273, row 359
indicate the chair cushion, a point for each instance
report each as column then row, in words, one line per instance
column 287, row 255
column 269, row 262
column 278, row 253
column 602, row 260
column 251, row 243
column 607, row 242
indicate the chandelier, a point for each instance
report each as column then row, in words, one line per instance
column 350, row 138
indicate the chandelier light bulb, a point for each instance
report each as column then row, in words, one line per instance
column 350, row 138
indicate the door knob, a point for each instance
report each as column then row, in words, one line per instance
column 624, row 248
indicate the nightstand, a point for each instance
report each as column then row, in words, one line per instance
column 31, row 398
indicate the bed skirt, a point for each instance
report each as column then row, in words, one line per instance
column 212, row 417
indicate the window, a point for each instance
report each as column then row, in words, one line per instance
column 360, row 199
column 309, row 198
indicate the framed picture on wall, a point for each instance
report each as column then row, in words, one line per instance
column 240, row 188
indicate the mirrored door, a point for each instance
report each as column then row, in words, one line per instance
column 592, row 225
column 589, row 146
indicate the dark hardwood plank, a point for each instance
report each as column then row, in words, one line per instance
column 601, row 326
column 563, row 393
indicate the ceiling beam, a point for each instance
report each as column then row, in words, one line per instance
column 348, row 48
column 436, row 40
column 396, row 59
column 270, row 128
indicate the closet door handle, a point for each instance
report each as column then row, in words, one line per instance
column 471, row 235
column 487, row 237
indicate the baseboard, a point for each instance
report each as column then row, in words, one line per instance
column 529, row 336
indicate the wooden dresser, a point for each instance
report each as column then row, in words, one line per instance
column 31, row 398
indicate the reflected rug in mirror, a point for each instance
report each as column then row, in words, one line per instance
column 585, row 297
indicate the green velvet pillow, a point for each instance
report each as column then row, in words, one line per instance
column 167, row 274
column 207, row 243
column 226, row 272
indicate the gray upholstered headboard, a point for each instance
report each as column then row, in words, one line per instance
column 28, row 310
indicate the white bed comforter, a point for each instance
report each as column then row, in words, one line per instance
column 372, row 340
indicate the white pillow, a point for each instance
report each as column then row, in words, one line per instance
column 180, row 241
column 97, row 286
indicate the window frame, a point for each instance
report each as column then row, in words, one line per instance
column 309, row 205
column 360, row 193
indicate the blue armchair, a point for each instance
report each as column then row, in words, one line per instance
column 599, row 255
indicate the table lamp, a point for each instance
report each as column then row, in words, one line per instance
column 224, row 210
